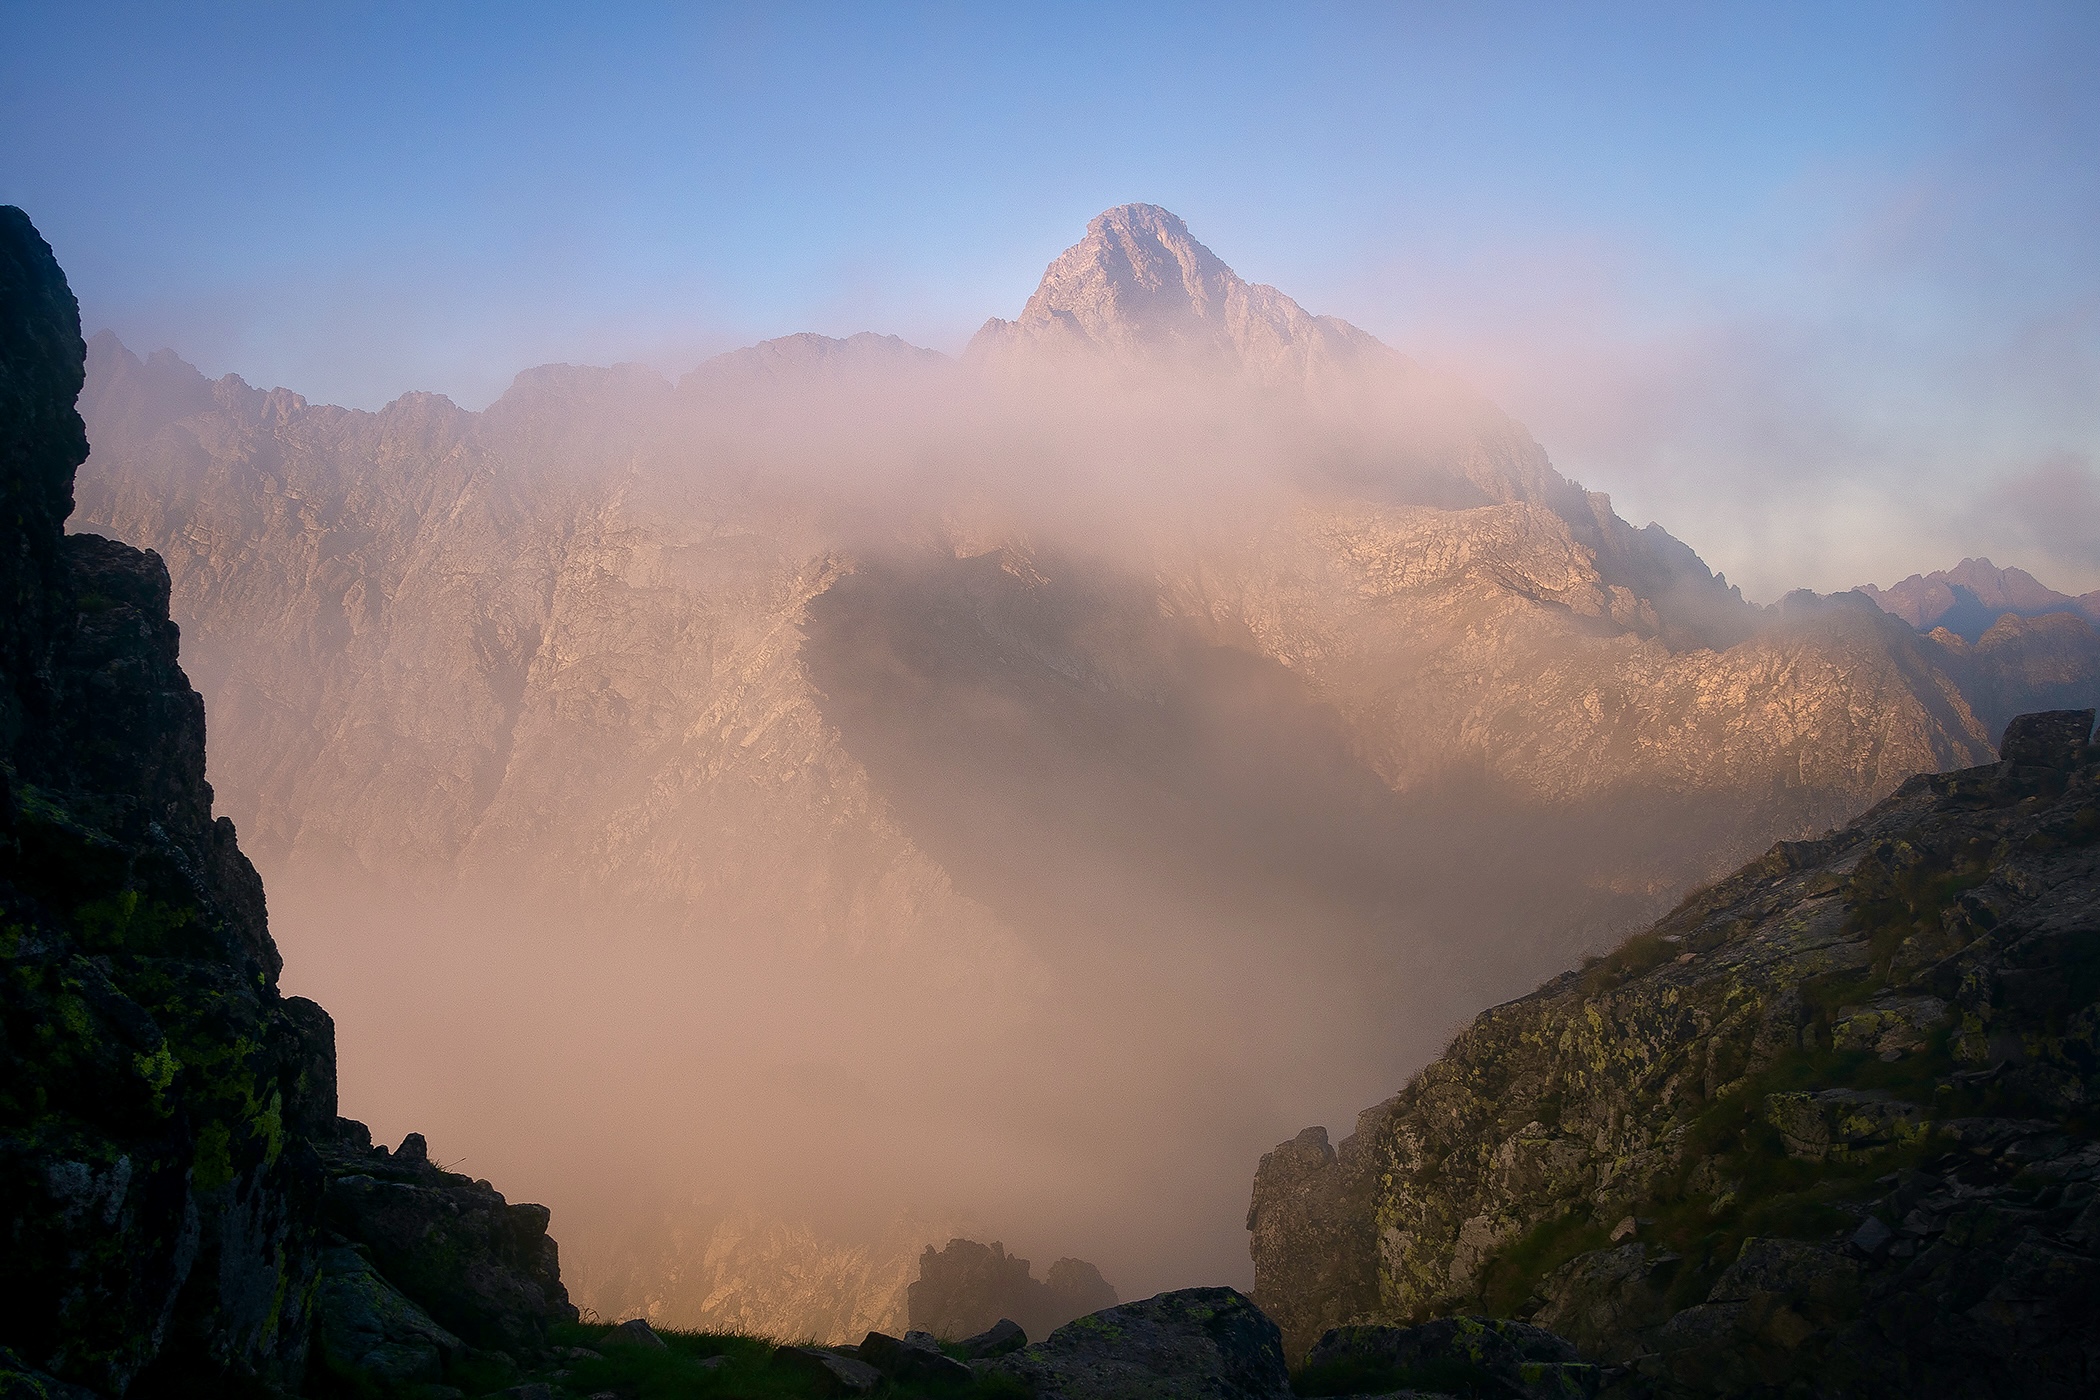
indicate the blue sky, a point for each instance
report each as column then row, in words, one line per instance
column 1818, row 287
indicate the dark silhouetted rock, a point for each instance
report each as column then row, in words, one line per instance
column 159, row 1202
column 1198, row 1342
column 165, row 1112
column 1313, row 1246
column 1073, row 1288
column 635, row 1332
column 917, row 1357
column 2051, row 739
column 484, row 1268
column 1001, row 1337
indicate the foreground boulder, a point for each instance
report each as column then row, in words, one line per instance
column 916, row 1357
column 1001, row 1337
column 828, row 1370
column 635, row 1332
column 1198, row 1342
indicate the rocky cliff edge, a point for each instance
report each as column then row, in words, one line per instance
column 179, row 1202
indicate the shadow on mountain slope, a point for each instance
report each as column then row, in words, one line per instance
column 1092, row 771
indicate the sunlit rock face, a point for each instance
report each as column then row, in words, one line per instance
column 1179, row 687
column 759, row 1273
column 1143, row 292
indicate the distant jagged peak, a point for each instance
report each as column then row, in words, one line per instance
column 1141, row 290
column 1972, row 595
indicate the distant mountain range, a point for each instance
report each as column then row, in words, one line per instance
column 1179, row 692
column 1968, row 598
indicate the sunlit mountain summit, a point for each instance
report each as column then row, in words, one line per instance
column 1141, row 289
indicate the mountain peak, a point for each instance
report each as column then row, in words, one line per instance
column 1140, row 289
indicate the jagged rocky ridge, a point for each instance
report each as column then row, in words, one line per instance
column 182, row 1210
column 965, row 1287
column 1826, row 1129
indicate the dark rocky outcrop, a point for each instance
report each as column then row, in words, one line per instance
column 966, row 1288
column 159, row 1198
column 165, row 1111
column 482, row 1267
column 1824, row 1130
column 1207, row 1342
column 1313, row 1243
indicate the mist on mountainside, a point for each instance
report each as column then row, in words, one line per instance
column 852, row 797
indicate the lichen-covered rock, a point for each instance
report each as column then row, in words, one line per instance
column 1313, row 1243
column 1199, row 1342
column 369, row 1329
column 1600, row 1299
column 164, row 1109
column 159, row 1203
column 1824, row 1129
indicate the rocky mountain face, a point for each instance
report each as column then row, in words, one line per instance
column 1173, row 652
column 965, row 1288
column 1824, row 1130
column 757, row 1273
column 173, row 1178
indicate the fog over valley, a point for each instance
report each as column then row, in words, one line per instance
column 851, row 797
